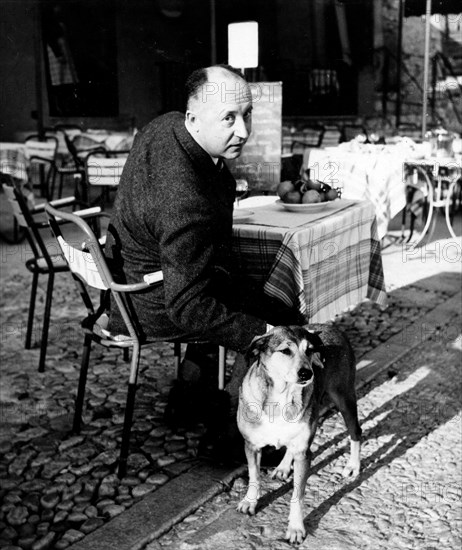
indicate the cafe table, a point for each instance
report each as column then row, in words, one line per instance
column 111, row 141
column 320, row 262
column 439, row 177
column 14, row 160
column 365, row 171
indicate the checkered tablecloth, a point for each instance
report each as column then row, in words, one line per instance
column 377, row 177
column 13, row 160
column 321, row 263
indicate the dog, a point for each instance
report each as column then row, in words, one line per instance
column 291, row 370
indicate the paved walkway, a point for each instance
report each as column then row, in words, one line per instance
column 60, row 491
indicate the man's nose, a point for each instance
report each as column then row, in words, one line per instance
column 241, row 128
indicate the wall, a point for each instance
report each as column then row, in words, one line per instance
column 413, row 65
column 17, row 75
column 147, row 42
column 150, row 45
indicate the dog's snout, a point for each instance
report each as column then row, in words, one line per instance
column 304, row 376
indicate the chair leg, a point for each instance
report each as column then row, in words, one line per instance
column 221, row 367
column 46, row 322
column 52, row 177
column 177, row 355
column 129, row 408
column 30, row 319
column 61, row 185
column 82, row 383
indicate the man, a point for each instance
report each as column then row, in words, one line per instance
column 173, row 212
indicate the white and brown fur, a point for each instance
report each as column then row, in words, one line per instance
column 291, row 369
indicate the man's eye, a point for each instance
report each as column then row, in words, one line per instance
column 248, row 115
column 285, row 351
column 229, row 118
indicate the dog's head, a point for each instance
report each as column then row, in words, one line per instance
column 287, row 354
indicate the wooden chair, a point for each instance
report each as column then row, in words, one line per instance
column 90, row 270
column 103, row 169
column 42, row 263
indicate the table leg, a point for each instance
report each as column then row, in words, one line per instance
column 447, row 207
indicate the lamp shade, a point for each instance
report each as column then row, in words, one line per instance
column 243, row 45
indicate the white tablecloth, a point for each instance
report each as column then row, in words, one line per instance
column 373, row 175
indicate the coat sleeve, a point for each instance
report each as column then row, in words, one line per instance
column 188, row 255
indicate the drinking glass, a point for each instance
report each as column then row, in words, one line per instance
column 242, row 189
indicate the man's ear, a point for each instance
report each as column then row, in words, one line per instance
column 192, row 121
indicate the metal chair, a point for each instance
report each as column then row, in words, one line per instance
column 42, row 262
column 42, row 157
column 352, row 131
column 310, row 137
column 78, row 146
column 90, row 271
column 103, row 169
column 331, row 136
column 66, row 166
column 410, row 130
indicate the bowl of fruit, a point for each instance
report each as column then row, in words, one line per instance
column 306, row 194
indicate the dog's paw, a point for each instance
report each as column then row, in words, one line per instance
column 281, row 472
column 247, row 506
column 351, row 469
column 295, row 534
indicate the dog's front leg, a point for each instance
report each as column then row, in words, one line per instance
column 249, row 502
column 296, row 530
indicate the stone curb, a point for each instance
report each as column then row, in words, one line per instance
column 156, row 513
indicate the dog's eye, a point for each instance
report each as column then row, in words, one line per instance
column 286, row 351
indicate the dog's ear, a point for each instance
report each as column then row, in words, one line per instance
column 256, row 347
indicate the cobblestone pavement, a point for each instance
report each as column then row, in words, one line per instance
column 56, row 488
column 408, row 494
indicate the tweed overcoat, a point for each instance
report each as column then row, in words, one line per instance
column 173, row 211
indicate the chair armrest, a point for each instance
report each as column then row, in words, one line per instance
column 153, row 278
column 149, row 280
column 41, row 159
column 88, row 212
column 65, row 201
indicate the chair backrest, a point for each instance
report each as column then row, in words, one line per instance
column 17, row 208
column 105, row 169
column 331, row 136
column 351, row 131
column 66, row 133
column 41, row 150
column 88, row 265
column 312, row 135
column 307, row 138
column 21, row 203
column 409, row 130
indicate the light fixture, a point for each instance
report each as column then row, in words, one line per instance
column 243, row 45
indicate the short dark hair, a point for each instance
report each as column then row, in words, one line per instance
column 199, row 77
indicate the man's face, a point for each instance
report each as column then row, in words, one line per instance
column 220, row 118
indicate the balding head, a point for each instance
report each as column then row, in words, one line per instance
column 207, row 81
column 219, row 109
